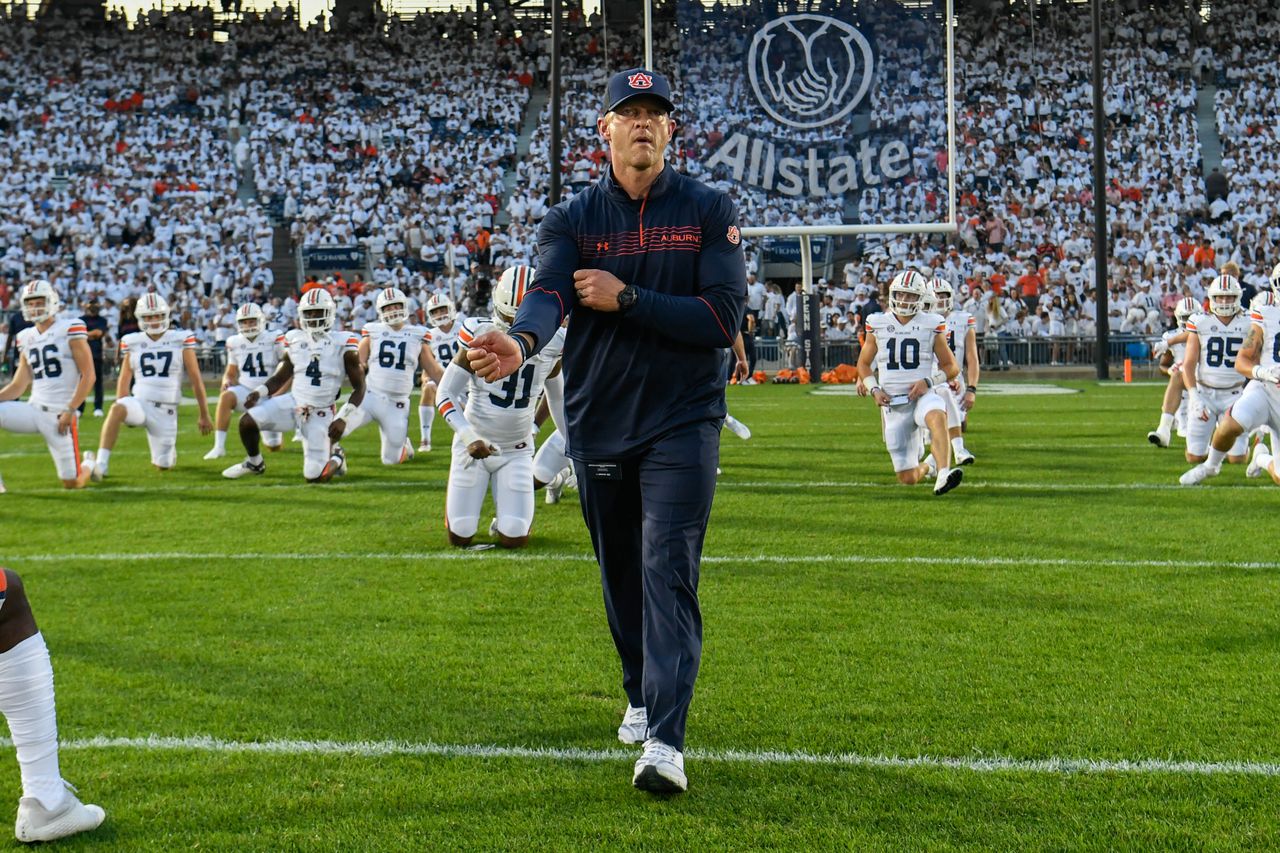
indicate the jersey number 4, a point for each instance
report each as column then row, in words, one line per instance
column 313, row 371
column 522, row 380
column 903, row 354
column 148, row 363
column 44, row 362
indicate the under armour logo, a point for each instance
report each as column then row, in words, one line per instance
column 602, row 246
column 640, row 80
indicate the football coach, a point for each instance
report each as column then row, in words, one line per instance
column 647, row 264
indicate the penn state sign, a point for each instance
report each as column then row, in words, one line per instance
column 809, row 70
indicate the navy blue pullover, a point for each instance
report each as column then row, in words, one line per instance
column 631, row 377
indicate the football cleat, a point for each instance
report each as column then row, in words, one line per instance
column 98, row 474
column 241, row 469
column 406, row 451
column 335, row 467
column 97, row 413
column 948, row 479
column 964, row 457
column 274, row 448
column 555, row 488
column 1254, row 470
column 1198, row 474
column 635, row 725
column 737, row 427
column 36, row 823
column 297, row 438
column 424, row 447
column 1158, row 438
column 661, row 769
column 216, row 453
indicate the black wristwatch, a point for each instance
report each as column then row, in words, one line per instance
column 627, row 298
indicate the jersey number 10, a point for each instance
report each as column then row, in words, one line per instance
column 906, row 356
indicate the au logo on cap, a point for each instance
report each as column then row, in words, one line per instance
column 640, row 81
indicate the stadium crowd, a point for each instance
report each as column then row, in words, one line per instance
column 154, row 158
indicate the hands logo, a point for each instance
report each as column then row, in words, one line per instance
column 809, row 70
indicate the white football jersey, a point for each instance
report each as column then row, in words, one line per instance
column 257, row 359
column 1220, row 342
column 318, row 366
column 54, row 375
column 958, row 325
column 444, row 345
column 904, row 351
column 1268, row 321
column 393, row 357
column 503, row 411
column 157, row 363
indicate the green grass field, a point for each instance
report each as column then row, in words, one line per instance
column 268, row 665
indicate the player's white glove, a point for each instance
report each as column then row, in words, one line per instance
column 1159, row 348
column 1266, row 374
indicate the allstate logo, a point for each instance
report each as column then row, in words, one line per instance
column 809, row 70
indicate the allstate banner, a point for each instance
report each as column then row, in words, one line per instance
column 802, row 107
column 333, row 258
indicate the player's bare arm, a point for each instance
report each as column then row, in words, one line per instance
column 972, row 368
column 355, row 375
column 866, row 359
column 362, row 352
column 1189, row 362
column 84, row 363
column 20, row 382
column 230, row 376
column 192, row 365
column 282, row 376
column 740, row 353
column 431, row 369
column 1250, row 355
column 125, row 381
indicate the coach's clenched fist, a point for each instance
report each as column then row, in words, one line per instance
column 597, row 289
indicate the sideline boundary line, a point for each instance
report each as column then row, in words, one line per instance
column 977, row 764
column 581, row 557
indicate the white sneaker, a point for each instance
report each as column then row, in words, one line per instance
column 424, row 447
column 635, row 725
column 1198, row 474
column 97, row 413
column 297, row 438
column 1254, row 470
column 36, row 823
column 1158, row 438
column 86, row 461
column 98, row 474
column 241, row 469
column 933, row 467
column 216, row 453
column 407, row 453
column 964, row 457
column 661, row 769
column 948, row 479
column 738, row 428
column 555, row 488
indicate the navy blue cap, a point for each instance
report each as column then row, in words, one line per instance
column 626, row 85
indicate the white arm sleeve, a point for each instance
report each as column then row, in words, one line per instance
column 450, row 397
column 555, row 400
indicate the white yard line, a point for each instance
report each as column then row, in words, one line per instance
column 579, row 557
column 379, row 749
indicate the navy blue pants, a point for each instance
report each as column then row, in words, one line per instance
column 647, row 516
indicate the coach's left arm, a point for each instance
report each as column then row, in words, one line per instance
column 713, row 317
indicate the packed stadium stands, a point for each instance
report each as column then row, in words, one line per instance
column 153, row 156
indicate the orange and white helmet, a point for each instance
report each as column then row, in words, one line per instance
column 1224, row 294
column 250, row 321
column 1263, row 299
column 392, row 306
column 907, row 293
column 316, row 312
column 152, row 313
column 440, row 311
column 40, row 301
column 1275, row 277
column 509, row 293
column 943, row 296
column 1185, row 310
